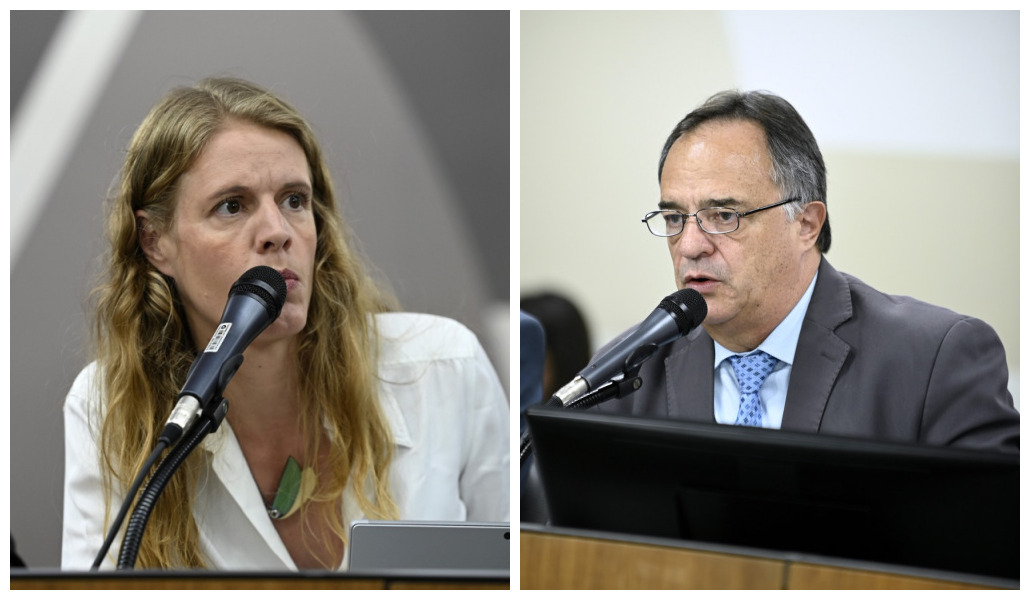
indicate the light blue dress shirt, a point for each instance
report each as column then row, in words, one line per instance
column 780, row 344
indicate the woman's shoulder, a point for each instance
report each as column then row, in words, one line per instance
column 84, row 387
column 406, row 337
column 83, row 407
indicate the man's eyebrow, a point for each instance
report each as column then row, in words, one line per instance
column 721, row 203
column 709, row 203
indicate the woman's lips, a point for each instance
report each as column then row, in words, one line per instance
column 292, row 281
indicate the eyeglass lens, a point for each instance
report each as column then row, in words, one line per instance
column 668, row 223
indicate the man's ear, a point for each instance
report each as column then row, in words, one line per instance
column 812, row 217
column 149, row 241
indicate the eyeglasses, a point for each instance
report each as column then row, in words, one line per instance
column 715, row 219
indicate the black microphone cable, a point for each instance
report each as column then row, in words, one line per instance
column 133, row 490
column 169, row 437
column 141, row 515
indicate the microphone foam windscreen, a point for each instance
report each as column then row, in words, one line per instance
column 687, row 307
column 265, row 283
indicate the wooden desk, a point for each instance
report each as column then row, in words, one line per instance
column 567, row 559
column 137, row 580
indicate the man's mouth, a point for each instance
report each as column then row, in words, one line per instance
column 701, row 283
column 699, row 280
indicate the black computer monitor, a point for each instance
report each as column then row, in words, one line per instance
column 920, row 506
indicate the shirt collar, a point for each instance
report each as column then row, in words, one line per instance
column 783, row 340
column 228, row 464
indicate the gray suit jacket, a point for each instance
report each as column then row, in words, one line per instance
column 867, row 365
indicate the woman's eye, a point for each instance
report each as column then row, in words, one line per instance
column 295, row 201
column 229, row 207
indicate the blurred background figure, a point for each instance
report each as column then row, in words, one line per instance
column 532, row 354
column 566, row 336
column 531, row 364
column 16, row 560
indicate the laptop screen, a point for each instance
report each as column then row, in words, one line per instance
column 429, row 545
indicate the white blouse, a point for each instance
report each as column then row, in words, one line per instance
column 444, row 404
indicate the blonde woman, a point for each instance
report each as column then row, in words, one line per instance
column 390, row 415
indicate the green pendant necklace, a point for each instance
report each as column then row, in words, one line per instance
column 296, row 485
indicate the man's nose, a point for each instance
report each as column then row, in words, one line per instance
column 692, row 242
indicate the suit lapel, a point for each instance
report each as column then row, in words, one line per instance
column 820, row 353
column 689, row 379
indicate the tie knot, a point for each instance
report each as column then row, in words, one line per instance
column 752, row 370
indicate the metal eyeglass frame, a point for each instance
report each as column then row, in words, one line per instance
column 698, row 219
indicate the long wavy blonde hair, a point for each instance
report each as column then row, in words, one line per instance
column 144, row 347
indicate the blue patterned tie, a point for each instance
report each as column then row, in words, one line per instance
column 751, row 371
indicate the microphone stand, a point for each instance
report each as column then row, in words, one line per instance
column 630, row 383
column 613, row 389
column 207, row 423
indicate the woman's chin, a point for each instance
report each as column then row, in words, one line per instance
column 290, row 322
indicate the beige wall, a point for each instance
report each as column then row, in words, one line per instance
column 601, row 91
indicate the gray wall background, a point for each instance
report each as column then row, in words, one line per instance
column 411, row 108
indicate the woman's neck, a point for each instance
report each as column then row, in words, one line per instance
column 264, row 395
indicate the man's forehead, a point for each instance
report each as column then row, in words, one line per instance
column 720, row 163
column 739, row 138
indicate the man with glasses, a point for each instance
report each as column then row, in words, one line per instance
column 789, row 342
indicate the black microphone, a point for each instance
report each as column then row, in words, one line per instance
column 255, row 302
column 675, row 317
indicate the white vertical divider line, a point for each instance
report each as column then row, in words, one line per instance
column 56, row 107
